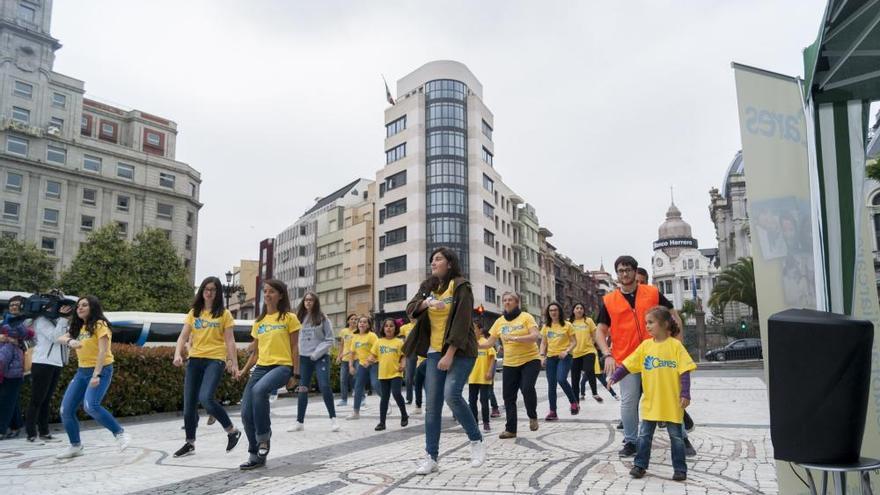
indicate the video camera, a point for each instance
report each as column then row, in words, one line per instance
column 47, row 305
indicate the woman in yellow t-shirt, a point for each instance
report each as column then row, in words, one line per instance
column 519, row 335
column 276, row 355
column 387, row 353
column 343, row 358
column 209, row 325
column 361, row 366
column 557, row 343
column 89, row 333
column 584, row 354
column 481, row 378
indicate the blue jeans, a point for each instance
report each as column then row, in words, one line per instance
column 448, row 385
column 409, row 377
column 630, row 394
column 321, row 367
column 79, row 392
column 361, row 375
column 676, row 443
column 255, row 402
column 200, row 384
column 557, row 372
column 345, row 380
column 9, row 408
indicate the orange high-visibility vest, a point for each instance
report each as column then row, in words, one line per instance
column 628, row 328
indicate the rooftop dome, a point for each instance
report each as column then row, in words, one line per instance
column 674, row 227
column 736, row 167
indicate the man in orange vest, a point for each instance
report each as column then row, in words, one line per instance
column 623, row 317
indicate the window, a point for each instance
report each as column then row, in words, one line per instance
column 122, row 203
column 395, row 153
column 92, row 163
column 697, row 284
column 125, row 171
column 59, row 100
column 685, row 284
column 395, row 181
column 489, row 265
column 164, row 211
column 446, row 114
column 123, row 228
column 301, row 251
column 53, row 190
column 57, row 123
column 488, row 210
column 393, row 265
column 488, row 238
column 22, row 115
column 487, row 130
column 167, row 233
column 488, row 184
column 26, row 13
column 16, row 145
column 395, row 236
column 22, row 89
column 188, row 243
column 154, row 139
column 490, row 294
column 190, row 218
column 301, row 271
column 396, row 293
column 14, row 181
column 50, row 217
column 690, row 264
column 302, row 230
column 166, row 180
column 90, row 197
column 11, row 211
column 48, row 245
column 488, row 157
column 87, row 223
column 153, row 142
column 85, row 125
column 395, row 208
column 108, row 131
column 57, row 155
column 446, row 142
column 9, row 235
column 395, row 126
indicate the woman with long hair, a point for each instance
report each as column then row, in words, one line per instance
column 276, row 355
column 315, row 341
column 584, row 354
column 557, row 342
column 519, row 335
column 361, row 366
column 89, row 334
column 443, row 311
column 208, row 327
column 343, row 359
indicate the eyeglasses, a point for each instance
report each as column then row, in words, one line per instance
column 624, row 271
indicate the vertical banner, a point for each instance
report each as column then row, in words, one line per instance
column 773, row 129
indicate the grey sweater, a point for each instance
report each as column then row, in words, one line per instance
column 315, row 339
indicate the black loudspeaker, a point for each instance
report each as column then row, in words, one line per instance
column 820, row 371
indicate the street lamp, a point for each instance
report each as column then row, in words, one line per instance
column 230, row 288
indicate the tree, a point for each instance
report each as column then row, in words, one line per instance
column 736, row 283
column 25, row 267
column 688, row 309
column 872, row 169
column 160, row 274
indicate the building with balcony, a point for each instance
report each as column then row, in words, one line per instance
column 70, row 164
column 527, row 259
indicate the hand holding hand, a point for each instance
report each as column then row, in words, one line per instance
column 74, row 344
column 610, row 365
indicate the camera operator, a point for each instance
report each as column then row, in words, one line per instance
column 14, row 331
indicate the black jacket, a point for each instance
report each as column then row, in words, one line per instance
column 459, row 326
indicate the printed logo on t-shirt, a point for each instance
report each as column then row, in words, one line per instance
column 652, row 362
column 358, row 345
column 266, row 327
column 552, row 335
column 200, row 324
column 384, row 349
column 506, row 329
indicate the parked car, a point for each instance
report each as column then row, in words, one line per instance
column 738, row 349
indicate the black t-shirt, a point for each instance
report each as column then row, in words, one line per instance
column 631, row 299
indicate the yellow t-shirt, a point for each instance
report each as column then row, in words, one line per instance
column 584, row 330
column 661, row 364
column 485, row 362
column 406, row 329
column 208, row 334
column 345, row 336
column 516, row 353
column 558, row 338
column 87, row 355
column 438, row 318
column 273, row 338
column 388, row 352
column 362, row 346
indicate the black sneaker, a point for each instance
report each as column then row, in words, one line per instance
column 232, row 440
column 32, row 439
column 404, row 421
column 380, row 427
column 187, row 449
column 254, row 462
column 679, row 476
column 48, row 438
column 620, row 425
column 637, row 472
column 689, row 450
column 628, row 450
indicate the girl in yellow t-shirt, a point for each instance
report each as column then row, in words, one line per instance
column 665, row 368
column 89, row 333
column 361, row 366
column 557, row 343
column 584, row 354
column 481, row 378
column 276, row 355
column 209, row 325
column 343, row 359
column 387, row 353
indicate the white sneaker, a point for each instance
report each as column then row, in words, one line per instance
column 417, row 410
column 354, row 415
column 478, row 453
column 296, row 426
column 427, row 466
column 71, row 452
column 122, row 440
column 334, row 425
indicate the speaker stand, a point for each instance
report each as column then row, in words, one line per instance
column 838, row 474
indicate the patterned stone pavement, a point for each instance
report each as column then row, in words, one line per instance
column 577, row 454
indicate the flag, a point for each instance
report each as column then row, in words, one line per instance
column 387, row 92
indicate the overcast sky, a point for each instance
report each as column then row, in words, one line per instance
column 599, row 107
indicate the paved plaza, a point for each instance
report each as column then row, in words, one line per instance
column 577, row 454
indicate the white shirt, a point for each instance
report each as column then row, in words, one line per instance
column 48, row 350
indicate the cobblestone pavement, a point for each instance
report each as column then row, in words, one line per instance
column 577, row 454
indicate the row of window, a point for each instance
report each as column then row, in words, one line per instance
column 488, row 157
column 392, row 237
column 488, row 183
column 153, row 141
column 446, row 114
column 395, row 126
column 392, row 209
column 487, row 130
column 395, row 153
column 392, row 182
column 25, row 90
column 447, row 171
column 445, row 88
column 89, row 198
column 398, row 293
column 392, row 265
column 446, row 201
column 446, row 143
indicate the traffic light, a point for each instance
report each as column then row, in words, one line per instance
column 743, row 326
column 480, row 309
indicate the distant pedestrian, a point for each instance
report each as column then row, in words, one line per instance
column 584, row 354
column 557, row 343
column 343, row 359
column 315, row 341
column 15, row 330
column 387, row 352
column 361, row 367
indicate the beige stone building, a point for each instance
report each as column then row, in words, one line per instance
column 241, row 304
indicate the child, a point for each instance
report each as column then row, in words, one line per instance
column 480, row 379
column 361, row 367
column 388, row 352
column 665, row 367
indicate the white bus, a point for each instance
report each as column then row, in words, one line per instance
column 140, row 328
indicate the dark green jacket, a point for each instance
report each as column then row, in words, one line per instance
column 459, row 326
